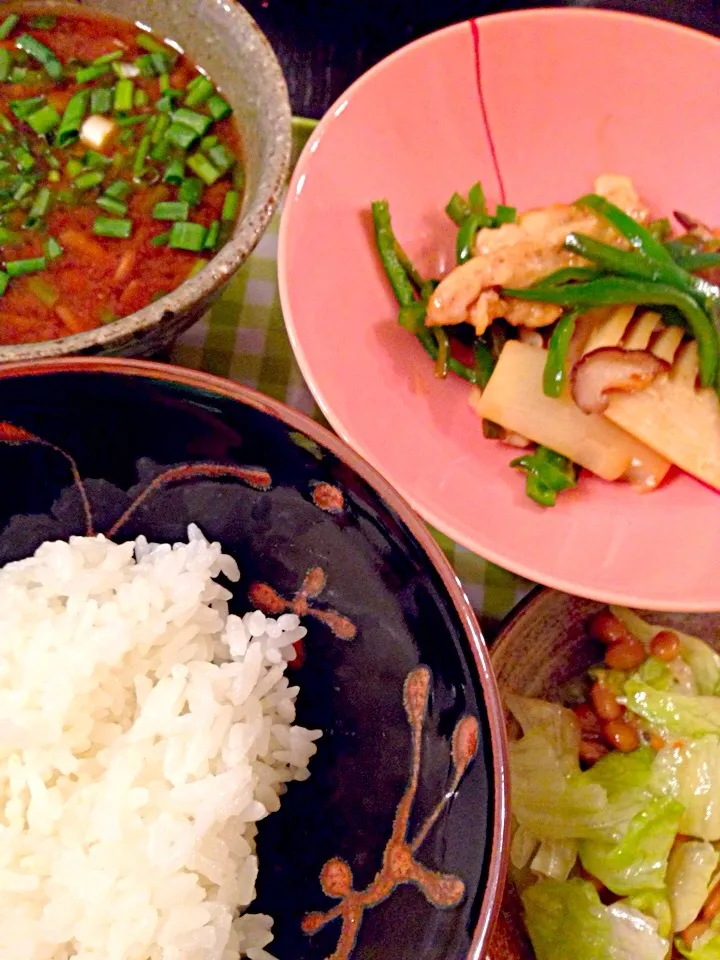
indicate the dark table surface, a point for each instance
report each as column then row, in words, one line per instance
column 323, row 45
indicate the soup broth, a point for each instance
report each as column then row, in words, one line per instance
column 120, row 171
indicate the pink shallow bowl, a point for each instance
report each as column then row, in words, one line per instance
column 567, row 94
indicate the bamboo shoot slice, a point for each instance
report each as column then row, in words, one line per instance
column 677, row 420
column 611, row 331
column 514, row 398
column 667, row 344
column 639, row 335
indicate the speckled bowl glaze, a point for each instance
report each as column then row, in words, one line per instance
column 222, row 37
column 542, row 646
column 401, row 828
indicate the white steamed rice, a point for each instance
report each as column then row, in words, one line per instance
column 143, row 732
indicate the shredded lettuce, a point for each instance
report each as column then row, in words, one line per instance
column 690, row 773
column 555, row 859
column 633, row 936
column 567, row 921
column 655, row 674
column 619, row 772
column 700, row 657
column 523, row 846
column 690, row 872
column 639, row 861
column 653, row 903
column 557, row 723
column 674, row 713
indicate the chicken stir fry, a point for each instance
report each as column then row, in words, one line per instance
column 593, row 331
column 521, row 253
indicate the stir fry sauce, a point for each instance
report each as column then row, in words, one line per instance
column 120, row 172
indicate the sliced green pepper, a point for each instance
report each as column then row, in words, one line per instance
column 386, row 244
column 484, row 362
column 547, row 474
column 692, row 257
column 614, row 291
column 443, row 353
column 568, row 275
column 457, row 209
column 555, row 372
column 465, row 240
column 640, row 237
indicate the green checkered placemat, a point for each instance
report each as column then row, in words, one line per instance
column 243, row 338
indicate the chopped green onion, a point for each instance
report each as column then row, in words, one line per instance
column 163, row 122
column 95, row 160
column 109, row 57
column 40, row 205
column 123, row 100
column 126, row 136
column 120, row 190
column 219, row 107
column 73, row 167
column 187, row 236
column 44, row 119
column 161, row 62
column 198, row 91
column 8, row 25
column 141, row 99
column 5, row 124
column 160, row 240
column 4, row 281
column 44, row 291
column 150, row 44
column 200, row 165
column 101, row 100
column 23, row 108
column 5, row 65
column 161, row 151
column 221, row 157
column 118, row 229
column 24, row 188
column 52, row 248
column 174, row 172
column 72, row 119
column 140, row 158
column 207, row 143
column 171, row 210
column 196, row 268
column 18, row 75
column 181, row 136
column 212, row 236
column 24, row 159
column 132, row 121
column 164, row 81
column 8, row 236
column 145, row 65
column 44, row 55
column 191, row 191
column 46, row 22
column 190, row 118
column 95, row 70
column 18, row 268
column 53, row 176
column 86, row 181
column 231, row 205
column 110, row 205
column 505, row 214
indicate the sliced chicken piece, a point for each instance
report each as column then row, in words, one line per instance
column 521, row 253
